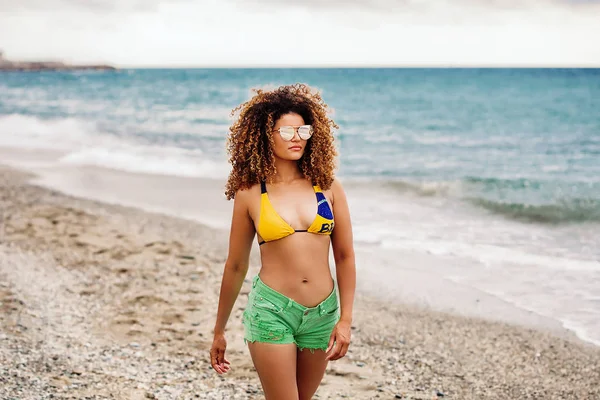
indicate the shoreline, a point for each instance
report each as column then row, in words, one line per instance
column 417, row 282
column 116, row 301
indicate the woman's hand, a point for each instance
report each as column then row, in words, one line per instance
column 341, row 336
column 217, row 354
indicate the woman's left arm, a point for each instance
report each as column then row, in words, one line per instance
column 343, row 252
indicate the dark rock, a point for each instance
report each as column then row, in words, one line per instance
column 34, row 66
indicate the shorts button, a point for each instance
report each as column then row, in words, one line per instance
column 306, row 312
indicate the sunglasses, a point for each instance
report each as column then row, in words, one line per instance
column 287, row 132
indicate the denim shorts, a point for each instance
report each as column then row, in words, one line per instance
column 272, row 317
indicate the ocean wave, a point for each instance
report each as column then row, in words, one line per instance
column 500, row 183
column 523, row 200
column 425, row 189
column 567, row 211
column 24, row 131
column 150, row 160
column 535, row 200
column 434, row 140
column 83, row 144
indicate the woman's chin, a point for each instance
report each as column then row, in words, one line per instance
column 291, row 157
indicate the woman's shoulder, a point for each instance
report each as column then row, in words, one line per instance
column 336, row 182
column 336, row 189
column 336, row 185
column 246, row 194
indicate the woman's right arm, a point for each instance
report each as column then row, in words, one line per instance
column 240, row 243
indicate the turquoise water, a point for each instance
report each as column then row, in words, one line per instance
column 499, row 166
column 523, row 143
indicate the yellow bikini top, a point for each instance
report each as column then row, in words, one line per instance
column 272, row 227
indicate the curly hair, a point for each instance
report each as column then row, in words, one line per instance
column 250, row 141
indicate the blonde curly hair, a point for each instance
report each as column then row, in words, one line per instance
column 250, row 139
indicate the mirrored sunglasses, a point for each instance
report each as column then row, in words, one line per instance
column 287, row 132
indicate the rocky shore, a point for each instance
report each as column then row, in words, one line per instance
column 33, row 66
column 100, row 301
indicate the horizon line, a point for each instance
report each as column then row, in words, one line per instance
column 358, row 66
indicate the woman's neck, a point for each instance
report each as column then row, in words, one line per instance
column 287, row 171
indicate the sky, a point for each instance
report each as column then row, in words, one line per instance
column 238, row 33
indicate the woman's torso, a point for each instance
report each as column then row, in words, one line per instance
column 296, row 265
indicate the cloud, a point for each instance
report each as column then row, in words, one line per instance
column 338, row 5
column 394, row 5
column 84, row 5
column 369, row 13
column 269, row 32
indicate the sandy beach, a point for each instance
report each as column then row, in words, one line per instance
column 106, row 301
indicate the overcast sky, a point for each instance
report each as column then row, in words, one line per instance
column 309, row 32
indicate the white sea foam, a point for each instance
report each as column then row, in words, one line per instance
column 562, row 309
column 149, row 160
column 561, row 295
column 488, row 254
column 384, row 138
column 23, row 131
column 555, row 168
column 199, row 113
column 82, row 144
column 168, row 127
column 436, row 139
column 581, row 331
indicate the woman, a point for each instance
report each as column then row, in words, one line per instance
column 282, row 153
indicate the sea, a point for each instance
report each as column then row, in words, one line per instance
column 490, row 176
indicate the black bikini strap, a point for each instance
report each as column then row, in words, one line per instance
column 263, row 187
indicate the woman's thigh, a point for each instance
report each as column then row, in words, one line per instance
column 310, row 368
column 276, row 367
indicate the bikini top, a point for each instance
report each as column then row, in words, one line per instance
column 272, row 227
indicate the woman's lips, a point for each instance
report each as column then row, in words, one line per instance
column 296, row 148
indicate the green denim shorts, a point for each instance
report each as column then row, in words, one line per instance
column 272, row 317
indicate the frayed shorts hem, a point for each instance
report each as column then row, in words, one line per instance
column 301, row 348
